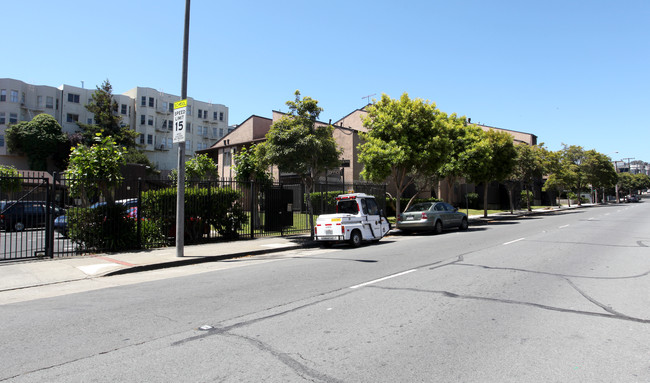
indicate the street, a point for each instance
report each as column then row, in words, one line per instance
column 555, row 297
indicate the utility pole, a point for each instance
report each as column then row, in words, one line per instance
column 180, row 198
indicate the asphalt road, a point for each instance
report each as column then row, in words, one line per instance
column 563, row 297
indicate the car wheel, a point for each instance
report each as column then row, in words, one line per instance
column 463, row 224
column 19, row 226
column 355, row 239
column 437, row 228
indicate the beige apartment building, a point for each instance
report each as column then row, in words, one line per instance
column 145, row 110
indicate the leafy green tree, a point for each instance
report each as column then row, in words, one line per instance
column 463, row 137
column 642, row 181
column 297, row 144
column 108, row 123
column 529, row 166
column 573, row 158
column 95, row 170
column 405, row 137
column 491, row 159
column 199, row 168
column 9, row 179
column 558, row 179
column 38, row 139
column 599, row 171
column 251, row 165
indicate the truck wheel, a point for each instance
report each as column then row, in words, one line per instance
column 437, row 229
column 355, row 238
column 19, row 226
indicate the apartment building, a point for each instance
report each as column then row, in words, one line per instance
column 145, row 110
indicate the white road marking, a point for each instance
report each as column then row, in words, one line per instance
column 275, row 245
column 516, row 240
column 97, row 268
column 562, row 227
column 383, row 279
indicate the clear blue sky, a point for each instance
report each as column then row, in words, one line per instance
column 574, row 72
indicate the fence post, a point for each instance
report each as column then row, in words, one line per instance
column 138, row 214
column 252, row 207
column 49, row 216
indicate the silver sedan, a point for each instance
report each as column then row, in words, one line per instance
column 435, row 216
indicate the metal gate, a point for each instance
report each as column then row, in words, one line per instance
column 278, row 208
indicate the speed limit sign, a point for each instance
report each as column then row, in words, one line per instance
column 180, row 110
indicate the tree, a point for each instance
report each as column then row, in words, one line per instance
column 9, row 179
column 529, row 166
column 557, row 178
column 405, row 138
column 297, row 144
column 573, row 158
column 108, row 123
column 39, row 139
column 599, row 171
column 198, row 168
column 462, row 137
column 251, row 165
column 95, row 170
column 491, row 159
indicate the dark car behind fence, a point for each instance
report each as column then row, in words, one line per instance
column 142, row 214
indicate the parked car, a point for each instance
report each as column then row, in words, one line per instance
column 19, row 215
column 431, row 216
column 61, row 222
column 632, row 198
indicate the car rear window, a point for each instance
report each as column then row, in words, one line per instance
column 422, row 206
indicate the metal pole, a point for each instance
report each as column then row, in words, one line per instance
column 180, row 200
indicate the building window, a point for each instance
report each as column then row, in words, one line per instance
column 90, row 121
column 123, row 109
column 152, row 103
column 2, row 118
column 214, row 116
column 49, row 102
column 164, row 105
column 39, row 101
column 14, row 96
column 164, row 125
column 72, row 117
column 171, row 107
column 220, row 132
column 189, row 127
column 2, row 140
column 170, row 125
column 13, row 118
column 149, row 139
column 226, row 158
column 170, row 142
column 188, row 145
column 150, row 121
column 189, row 110
column 220, row 116
column 141, row 139
column 143, row 102
column 142, row 119
column 57, row 104
column 200, row 113
column 73, row 98
column 3, row 95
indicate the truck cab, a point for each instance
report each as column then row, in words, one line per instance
column 357, row 219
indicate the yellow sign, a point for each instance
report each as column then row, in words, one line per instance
column 336, row 219
column 180, row 104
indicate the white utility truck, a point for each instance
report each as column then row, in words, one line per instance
column 357, row 219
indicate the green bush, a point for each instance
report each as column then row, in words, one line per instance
column 102, row 228
column 328, row 202
column 204, row 208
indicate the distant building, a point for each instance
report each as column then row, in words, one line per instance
column 145, row 110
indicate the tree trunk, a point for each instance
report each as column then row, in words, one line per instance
column 485, row 199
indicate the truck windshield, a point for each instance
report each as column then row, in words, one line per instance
column 347, row 207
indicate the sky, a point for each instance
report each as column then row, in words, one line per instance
column 573, row 72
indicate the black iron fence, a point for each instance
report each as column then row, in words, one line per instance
column 45, row 218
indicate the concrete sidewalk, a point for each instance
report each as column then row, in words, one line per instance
column 34, row 273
